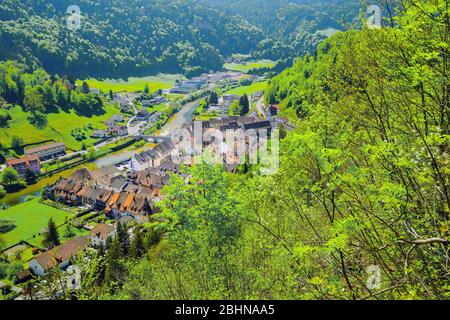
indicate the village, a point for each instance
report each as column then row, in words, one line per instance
column 128, row 191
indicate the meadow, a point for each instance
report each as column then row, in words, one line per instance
column 59, row 126
column 251, row 89
column 134, row 84
column 31, row 218
column 247, row 66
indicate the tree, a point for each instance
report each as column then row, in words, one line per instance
column 146, row 89
column 30, row 176
column 16, row 143
column 34, row 101
column 244, row 102
column 51, row 236
column 235, row 108
column 68, row 232
column 85, row 88
column 111, row 94
column 9, row 176
column 213, row 99
column 123, row 237
column 137, row 248
column 91, row 153
column 114, row 267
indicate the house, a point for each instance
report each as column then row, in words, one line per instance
column 100, row 234
column 158, row 100
column 59, row 256
column 146, row 103
column 48, row 151
column 117, row 118
column 125, row 102
column 98, row 134
column 23, row 276
column 107, row 171
column 142, row 115
column 152, row 158
column 110, row 123
column 190, row 85
column 155, row 117
column 28, row 163
column 228, row 99
column 258, row 125
column 118, row 130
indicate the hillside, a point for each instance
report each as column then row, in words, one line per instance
column 293, row 27
column 131, row 37
column 138, row 37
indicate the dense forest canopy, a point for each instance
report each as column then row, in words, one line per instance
column 125, row 37
column 293, row 27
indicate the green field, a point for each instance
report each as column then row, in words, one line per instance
column 58, row 128
column 251, row 89
column 247, row 66
column 76, row 233
column 161, row 81
column 31, row 218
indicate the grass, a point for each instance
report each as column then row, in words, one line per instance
column 251, row 89
column 31, row 218
column 76, row 233
column 155, row 83
column 59, row 127
column 245, row 67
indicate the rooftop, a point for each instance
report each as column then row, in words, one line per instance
column 45, row 147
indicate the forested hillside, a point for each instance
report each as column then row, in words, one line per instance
column 128, row 37
column 293, row 27
column 364, row 184
column 133, row 37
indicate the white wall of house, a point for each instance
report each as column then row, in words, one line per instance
column 36, row 268
column 97, row 240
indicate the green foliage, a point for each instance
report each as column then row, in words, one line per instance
column 244, row 102
column 16, row 143
column 137, row 247
column 9, row 176
column 213, row 98
column 6, row 225
column 68, row 232
column 235, row 108
column 51, row 236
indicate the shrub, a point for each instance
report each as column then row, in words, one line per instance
column 6, row 225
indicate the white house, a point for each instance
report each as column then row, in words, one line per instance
column 152, row 158
column 101, row 233
column 58, row 256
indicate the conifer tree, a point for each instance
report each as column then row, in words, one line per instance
column 137, row 248
column 51, row 236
